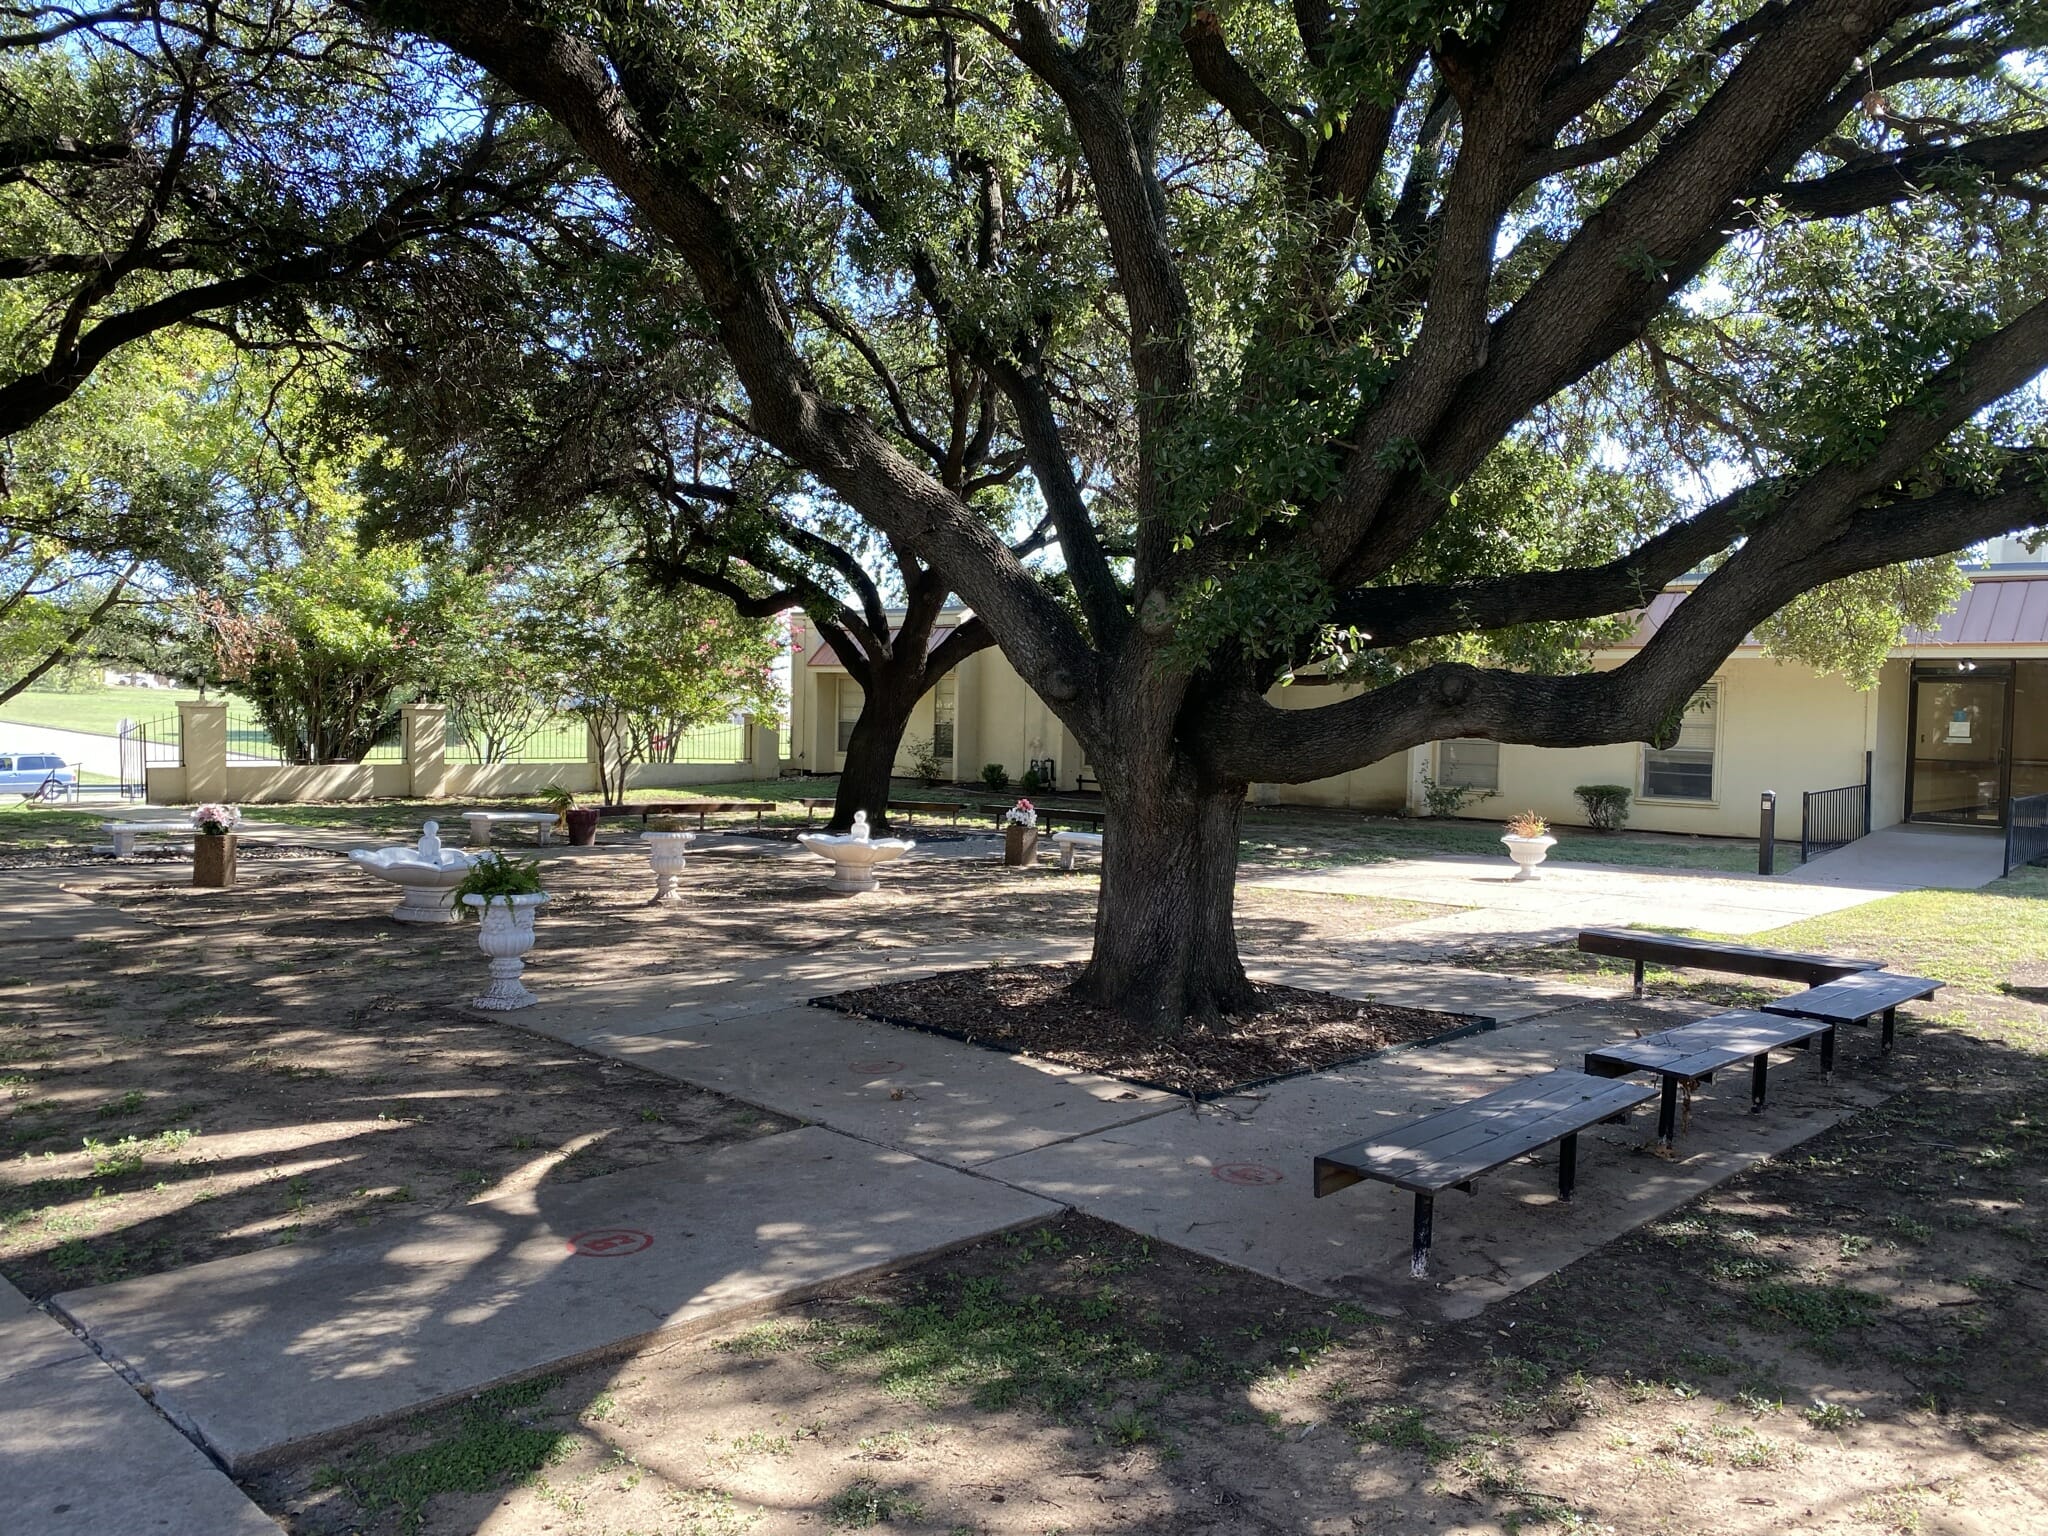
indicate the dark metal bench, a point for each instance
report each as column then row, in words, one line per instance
column 1451, row 1148
column 1048, row 814
column 701, row 808
column 1857, row 999
column 1710, row 955
column 1693, row 1053
column 912, row 809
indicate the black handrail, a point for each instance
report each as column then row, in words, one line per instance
column 2026, row 831
column 1832, row 818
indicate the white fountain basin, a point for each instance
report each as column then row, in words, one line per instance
column 426, row 876
column 855, row 855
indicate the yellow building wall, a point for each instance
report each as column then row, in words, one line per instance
column 1780, row 727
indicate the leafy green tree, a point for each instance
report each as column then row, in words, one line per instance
column 1417, row 329
column 643, row 666
column 177, row 163
column 115, row 505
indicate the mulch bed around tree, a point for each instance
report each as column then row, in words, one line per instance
column 1027, row 1009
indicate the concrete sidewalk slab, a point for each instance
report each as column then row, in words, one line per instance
column 35, row 906
column 1233, row 1180
column 1447, row 989
column 943, row 1099
column 263, row 1351
column 1911, row 858
column 1568, row 897
column 81, row 1454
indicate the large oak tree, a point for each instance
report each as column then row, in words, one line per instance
column 1434, row 326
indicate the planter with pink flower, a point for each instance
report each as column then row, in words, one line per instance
column 1020, row 834
column 213, row 848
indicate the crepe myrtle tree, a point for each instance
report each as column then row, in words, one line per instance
column 1435, row 328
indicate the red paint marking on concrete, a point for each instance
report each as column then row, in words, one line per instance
column 610, row 1242
column 1246, row 1173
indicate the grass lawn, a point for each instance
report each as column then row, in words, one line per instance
column 1293, row 838
column 98, row 713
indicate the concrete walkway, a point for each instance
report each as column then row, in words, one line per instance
column 81, row 1454
column 1499, row 911
column 258, row 1352
column 1911, row 857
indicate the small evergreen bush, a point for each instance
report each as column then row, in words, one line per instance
column 1606, row 805
column 995, row 776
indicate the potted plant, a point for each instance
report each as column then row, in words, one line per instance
column 559, row 800
column 213, row 850
column 1020, row 834
column 504, row 892
column 1528, row 840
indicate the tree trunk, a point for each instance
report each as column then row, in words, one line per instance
column 871, row 753
column 1165, row 941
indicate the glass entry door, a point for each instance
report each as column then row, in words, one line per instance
column 1960, row 744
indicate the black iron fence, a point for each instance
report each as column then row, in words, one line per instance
column 2026, row 831
column 1832, row 818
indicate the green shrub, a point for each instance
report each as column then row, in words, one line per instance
column 1031, row 783
column 995, row 776
column 925, row 761
column 1606, row 805
column 1449, row 799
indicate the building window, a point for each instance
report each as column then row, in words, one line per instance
column 943, row 699
column 1471, row 763
column 850, row 699
column 1685, row 769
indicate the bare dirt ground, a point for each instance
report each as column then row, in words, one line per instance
column 1851, row 1339
column 259, row 1065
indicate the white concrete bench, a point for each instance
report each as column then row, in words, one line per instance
column 481, row 822
column 1070, row 843
column 124, row 833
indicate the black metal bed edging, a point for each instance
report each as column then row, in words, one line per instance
column 1832, row 818
column 2026, row 831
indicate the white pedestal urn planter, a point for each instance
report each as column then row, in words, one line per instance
column 1528, row 852
column 854, row 854
column 665, row 852
column 505, row 934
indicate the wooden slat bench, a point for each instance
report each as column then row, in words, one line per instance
column 702, row 808
column 1709, row 955
column 1693, row 1053
column 1451, row 1148
column 1857, row 999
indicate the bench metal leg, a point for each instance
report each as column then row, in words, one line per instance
column 1667, row 1114
column 1759, row 1072
column 1827, row 1052
column 1567, row 1165
column 1890, row 1018
column 1639, row 979
column 1425, row 1221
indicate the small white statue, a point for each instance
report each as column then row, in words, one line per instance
column 430, row 842
column 860, row 826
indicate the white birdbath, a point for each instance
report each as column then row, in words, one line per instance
column 426, row 876
column 1527, row 852
column 665, row 853
column 505, row 934
column 854, row 854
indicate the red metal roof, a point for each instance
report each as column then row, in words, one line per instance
column 1997, row 610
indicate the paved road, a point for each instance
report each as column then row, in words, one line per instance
column 95, row 754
